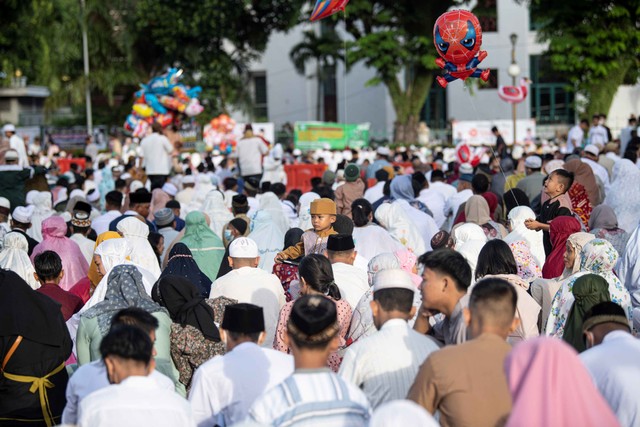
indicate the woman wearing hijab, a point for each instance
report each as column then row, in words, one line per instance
column 370, row 239
column 528, row 268
column 549, row 373
column 267, row 237
column 270, row 203
column 583, row 174
column 519, row 232
column 74, row 264
column 559, row 231
column 159, row 199
column 182, row 264
column 94, row 274
column 396, row 221
column 136, row 233
column 408, row 261
column 14, row 257
column 623, row 197
column 403, row 195
column 476, row 211
column 604, row 225
column 34, row 344
column 207, row 248
column 468, row 240
column 304, row 214
column 43, row 209
column 194, row 335
column 288, row 273
column 218, row 213
column 597, row 257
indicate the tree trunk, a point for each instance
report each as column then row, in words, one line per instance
column 601, row 93
column 408, row 104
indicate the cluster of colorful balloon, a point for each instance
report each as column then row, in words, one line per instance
column 163, row 100
column 218, row 134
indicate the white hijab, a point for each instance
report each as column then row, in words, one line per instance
column 519, row 231
column 392, row 217
column 304, row 214
column 136, row 233
column 200, row 190
column 622, row 196
column 425, row 224
column 629, row 273
column 469, row 240
column 269, row 239
column 42, row 204
column 14, row 257
column 217, row 211
column 372, row 240
column 270, row 203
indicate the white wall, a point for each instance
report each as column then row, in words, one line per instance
column 625, row 102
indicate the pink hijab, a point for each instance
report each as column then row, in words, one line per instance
column 159, row 200
column 407, row 261
column 74, row 264
column 551, row 387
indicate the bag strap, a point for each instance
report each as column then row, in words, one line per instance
column 12, row 350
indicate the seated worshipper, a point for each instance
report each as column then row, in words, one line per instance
column 49, row 273
column 566, row 398
column 608, row 338
column 185, row 195
column 42, row 209
column 441, row 240
column 240, row 207
column 445, row 280
column 75, row 266
column 604, row 225
column 181, row 263
column 519, row 232
column 476, row 211
column 287, row 273
column 113, row 204
column 217, row 211
column 400, row 227
column 176, row 209
column 135, row 232
column 156, row 240
column 94, row 275
column 21, row 222
column 124, row 290
column 472, row 391
column 403, row 194
column 268, row 238
column 139, row 204
column 320, row 396
column 80, row 228
column 237, row 227
column 35, row 343
column 431, row 198
column 166, row 222
column 316, row 278
column 556, row 185
column 629, row 273
column 528, row 268
column 532, row 183
column 560, row 231
column 13, row 256
column 374, row 193
column 225, row 387
column 512, row 199
column 93, row 376
column 385, row 364
column 304, row 210
column 133, row 398
column 270, row 203
column 588, row 291
column 160, row 197
column 401, row 413
column 350, row 191
column 623, row 198
column 370, row 239
column 597, row 257
column 468, row 241
column 250, row 284
column 204, row 244
column 323, row 215
column 454, row 202
column 351, row 280
column 194, row 335
column 496, row 261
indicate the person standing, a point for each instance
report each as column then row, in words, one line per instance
column 21, row 222
column 16, row 143
column 576, row 136
column 597, row 133
column 13, row 178
column 91, row 148
column 532, row 183
column 251, row 149
column 157, row 152
column 501, row 146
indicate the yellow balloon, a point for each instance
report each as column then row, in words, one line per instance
column 143, row 110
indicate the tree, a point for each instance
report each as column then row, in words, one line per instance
column 595, row 43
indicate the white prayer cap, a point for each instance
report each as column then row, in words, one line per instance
column 466, row 169
column 11, row 155
column 23, row 214
column 383, row 151
column 30, row 195
column 401, row 413
column 189, row 179
column 8, row 128
column 76, row 193
column 135, row 185
column 533, row 162
column 392, row 279
column 243, row 247
column 592, row 149
column 170, row 189
column 93, row 195
column 5, row 203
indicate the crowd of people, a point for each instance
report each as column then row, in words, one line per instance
column 402, row 288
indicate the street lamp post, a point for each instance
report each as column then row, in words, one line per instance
column 513, row 71
column 85, row 56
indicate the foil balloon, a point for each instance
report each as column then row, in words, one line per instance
column 514, row 94
column 325, row 8
column 465, row 155
column 457, row 36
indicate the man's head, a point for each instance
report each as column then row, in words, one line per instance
column 21, row 217
column 323, row 214
column 495, row 131
column 601, row 319
column 239, row 204
column 174, row 205
column 492, row 308
column 313, row 330
column 5, row 209
column 532, row 164
column 48, row 268
column 80, row 223
column 584, row 124
column 156, row 127
column 88, row 139
column 279, row 190
column 591, row 152
column 165, row 218
column 382, row 175
column 480, row 184
column 188, row 181
column 595, row 119
column 230, row 183
column 113, row 200
column 140, row 201
column 445, row 279
column 8, row 130
column 127, row 351
column 242, row 323
column 393, row 292
column 243, row 252
column 437, row 176
column 341, row 248
column 558, row 182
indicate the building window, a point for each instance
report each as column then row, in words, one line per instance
column 434, row 111
column 552, row 100
column 492, row 83
column 487, row 13
column 260, row 105
column 329, row 94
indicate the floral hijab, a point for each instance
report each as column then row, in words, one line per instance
column 528, row 267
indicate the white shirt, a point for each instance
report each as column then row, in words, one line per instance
column 599, row 170
column 255, row 286
column 91, row 377
column 453, row 204
column 250, row 152
column 435, row 201
column 598, row 135
column 615, row 368
column 574, row 138
column 17, row 143
column 224, row 388
column 156, row 151
column 185, row 196
column 385, row 364
column 374, row 193
column 447, row 190
column 86, row 245
column 137, row 401
column 101, row 224
column 352, row 281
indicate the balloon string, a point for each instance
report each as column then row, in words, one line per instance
column 346, row 66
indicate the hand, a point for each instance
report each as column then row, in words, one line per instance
column 532, row 224
column 278, row 259
column 425, row 312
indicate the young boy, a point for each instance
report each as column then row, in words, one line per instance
column 323, row 215
column 557, row 184
column 49, row 273
column 351, row 190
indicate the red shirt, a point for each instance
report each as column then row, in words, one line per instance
column 69, row 303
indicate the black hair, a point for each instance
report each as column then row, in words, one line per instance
column 480, row 183
column 496, row 298
column 382, row 175
column 278, row 189
column 229, row 183
column 605, row 308
column 360, row 211
column 437, row 175
column 134, row 316
column 565, row 177
column 120, row 183
column 631, row 155
column 82, row 230
column 316, row 181
column 172, row 204
column 494, row 129
column 584, row 122
column 154, row 239
column 496, row 258
column 237, row 336
column 48, row 265
column 450, row 263
column 395, row 299
column 317, row 273
column 386, row 189
column 343, row 225
column 127, row 342
column 419, row 178
column 294, row 196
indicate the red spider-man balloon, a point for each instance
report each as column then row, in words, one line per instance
column 458, row 36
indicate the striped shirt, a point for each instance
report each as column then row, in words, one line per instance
column 385, row 364
column 316, row 397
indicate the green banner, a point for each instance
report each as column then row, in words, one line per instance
column 337, row 136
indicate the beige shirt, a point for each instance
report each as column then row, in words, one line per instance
column 466, row 383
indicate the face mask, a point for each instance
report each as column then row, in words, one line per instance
column 228, row 236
